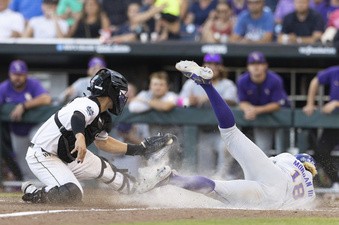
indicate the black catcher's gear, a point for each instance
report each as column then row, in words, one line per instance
column 67, row 194
column 151, row 145
column 110, row 83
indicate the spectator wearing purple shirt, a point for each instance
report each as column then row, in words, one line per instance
column 260, row 91
column 25, row 93
column 329, row 137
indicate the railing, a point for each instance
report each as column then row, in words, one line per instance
column 191, row 118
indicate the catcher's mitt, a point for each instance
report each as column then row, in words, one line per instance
column 155, row 143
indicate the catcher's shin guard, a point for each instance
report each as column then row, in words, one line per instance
column 64, row 194
column 119, row 180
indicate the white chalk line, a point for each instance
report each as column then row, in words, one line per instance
column 30, row 213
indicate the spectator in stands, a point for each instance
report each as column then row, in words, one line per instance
column 27, row 8
column 329, row 137
column 79, row 87
column 254, row 25
column 168, row 25
column 213, row 159
column 117, row 11
column 261, row 91
column 92, row 21
column 25, row 93
column 302, row 26
column 147, row 16
column 219, row 24
column 12, row 24
column 331, row 28
column 131, row 30
column 49, row 25
column 158, row 97
column 196, row 16
column 199, row 11
column 70, row 10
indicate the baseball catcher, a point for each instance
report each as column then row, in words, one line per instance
column 58, row 154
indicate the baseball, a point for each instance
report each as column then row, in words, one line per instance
column 170, row 141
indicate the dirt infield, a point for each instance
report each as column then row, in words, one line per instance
column 100, row 207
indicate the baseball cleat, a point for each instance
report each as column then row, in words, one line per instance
column 199, row 74
column 32, row 193
column 153, row 179
column 28, row 187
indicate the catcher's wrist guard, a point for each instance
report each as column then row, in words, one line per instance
column 133, row 149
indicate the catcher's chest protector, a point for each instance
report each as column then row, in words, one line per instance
column 67, row 140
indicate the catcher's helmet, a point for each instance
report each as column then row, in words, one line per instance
column 303, row 157
column 110, row 83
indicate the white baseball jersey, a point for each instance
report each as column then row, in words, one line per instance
column 270, row 183
column 48, row 135
column 46, row 165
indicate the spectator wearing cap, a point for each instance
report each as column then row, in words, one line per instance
column 25, row 93
column 49, row 25
column 261, row 91
column 12, row 24
column 79, row 87
column 212, row 160
column 254, row 25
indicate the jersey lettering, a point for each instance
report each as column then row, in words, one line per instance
column 298, row 189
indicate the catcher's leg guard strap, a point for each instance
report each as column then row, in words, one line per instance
column 118, row 179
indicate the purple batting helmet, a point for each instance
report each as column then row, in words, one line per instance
column 303, row 157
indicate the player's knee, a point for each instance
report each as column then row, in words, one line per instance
column 67, row 193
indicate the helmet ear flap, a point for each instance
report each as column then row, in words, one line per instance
column 96, row 83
